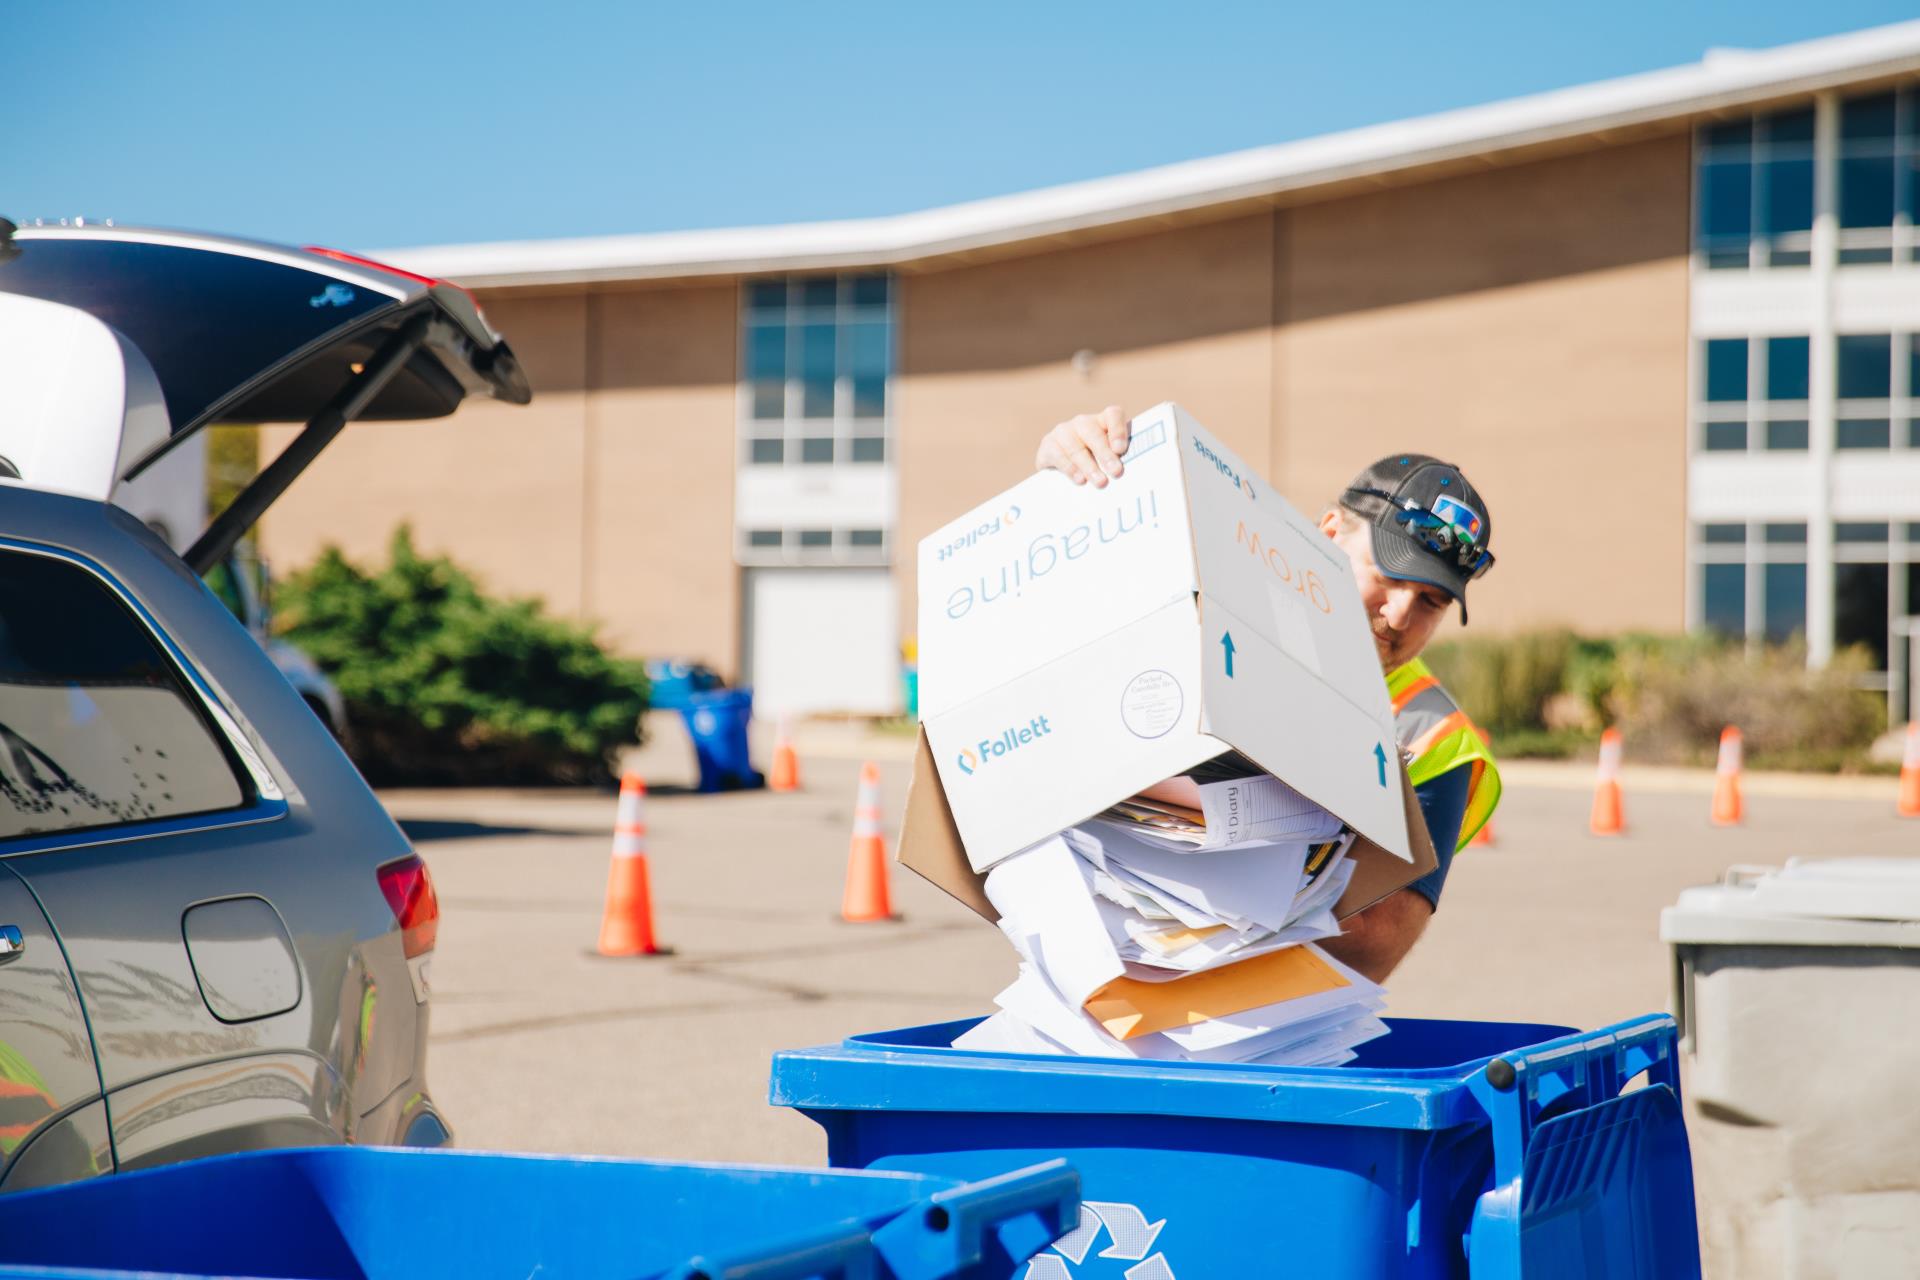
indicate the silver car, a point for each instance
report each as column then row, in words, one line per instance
column 212, row 936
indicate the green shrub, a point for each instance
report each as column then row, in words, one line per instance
column 1546, row 693
column 1504, row 682
column 445, row 685
column 1592, row 669
column 1595, row 671
column 1671, row 700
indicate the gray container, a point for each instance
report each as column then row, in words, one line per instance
column 1797, row 991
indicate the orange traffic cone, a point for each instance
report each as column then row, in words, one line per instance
column 1727, row 809
column 1485, row 834
column 785, row 774
column 867, row 898
column 1608, row 820
column 1910, row 773
column 626, row 928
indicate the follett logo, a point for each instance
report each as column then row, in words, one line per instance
column 1220, row 464
column 975, row 758
column 985, row 529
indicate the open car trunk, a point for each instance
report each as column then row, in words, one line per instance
column 201, row 329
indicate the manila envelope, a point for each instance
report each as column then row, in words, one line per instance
column 1127, row 1007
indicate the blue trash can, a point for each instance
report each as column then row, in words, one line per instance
column 1490, row 1150
column 717, row 721
column 349, row 1212
column 672, row 681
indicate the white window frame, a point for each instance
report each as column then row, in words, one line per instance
column 793, row 427
column 1900, row 409
column 1756, row 411
column 1760, row 151
column 1899, row 240
column 1756, row 553
column 842, row 548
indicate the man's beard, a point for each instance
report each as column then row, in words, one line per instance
column 1386, row 640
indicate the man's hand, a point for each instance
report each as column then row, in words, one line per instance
column 1087, row 447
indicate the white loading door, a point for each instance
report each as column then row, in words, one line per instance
column 823, row 640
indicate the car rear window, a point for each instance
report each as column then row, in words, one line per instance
column 96, row 727
column 206, row 321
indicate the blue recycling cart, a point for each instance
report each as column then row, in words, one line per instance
column 342, row 1213
column 1446, row 1149
column 672, row 681
column 717, row 722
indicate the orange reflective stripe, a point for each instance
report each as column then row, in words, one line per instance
column 1414, row 690
column 1452, row 724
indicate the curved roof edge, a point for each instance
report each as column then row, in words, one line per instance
column 1723, row 79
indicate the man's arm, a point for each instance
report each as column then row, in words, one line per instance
column 1376, row 940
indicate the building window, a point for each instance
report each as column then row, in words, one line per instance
column 1871, row 145
column 1752, row 395
column 1878, row 375
column 1750, row 580
column 1876, row 584
column 1723, row 578
column 817, row 361
column 1912, row 408
column 1754, row 182
column 812, row 545
column 1864, row 366
column 1754, row 191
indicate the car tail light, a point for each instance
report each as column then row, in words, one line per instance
column 409, row 891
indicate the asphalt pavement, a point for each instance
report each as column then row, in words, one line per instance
column 540, row 1045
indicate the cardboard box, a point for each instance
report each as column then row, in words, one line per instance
column 1080, row 644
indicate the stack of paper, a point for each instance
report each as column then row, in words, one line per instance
column 1170, row 931
column 1215, row 815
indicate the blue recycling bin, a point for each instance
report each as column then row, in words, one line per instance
column 717, row 722
column 342, row 1213
column 671, row 681
column 1446, row 1149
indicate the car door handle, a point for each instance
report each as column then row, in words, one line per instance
column 12, row 942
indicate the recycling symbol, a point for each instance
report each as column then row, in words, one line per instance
column 1130, row 1237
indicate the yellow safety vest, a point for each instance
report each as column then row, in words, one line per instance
column 1431, row 726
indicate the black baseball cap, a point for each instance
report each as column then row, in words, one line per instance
column 1429, row 523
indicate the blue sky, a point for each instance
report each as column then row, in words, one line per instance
column 371, row 125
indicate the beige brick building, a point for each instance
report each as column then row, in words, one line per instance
column 738, row 437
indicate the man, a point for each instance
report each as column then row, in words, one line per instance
column 1416, row 533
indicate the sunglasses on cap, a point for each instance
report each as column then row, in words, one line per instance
column 1436, row 533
